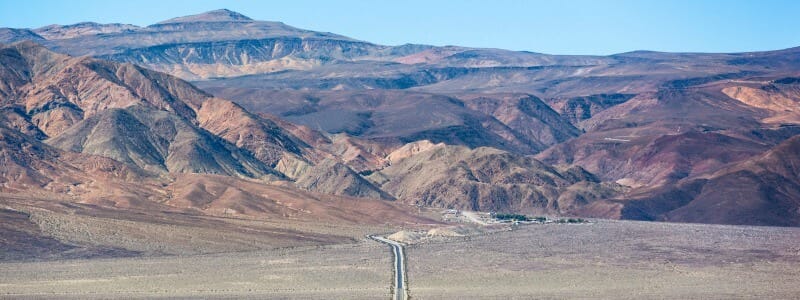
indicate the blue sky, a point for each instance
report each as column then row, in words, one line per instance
column 557, row 27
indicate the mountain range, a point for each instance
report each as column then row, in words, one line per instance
column 216, row 112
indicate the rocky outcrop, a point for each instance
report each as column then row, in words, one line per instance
column 263, row 138
column 531, row 120
column 331, row 177
column 57, row 91
column 158, row 141
column 578, row 109
column 30, row 167
column 398, row 117
column 763, row 190
column 483, row 179
column 781, row 100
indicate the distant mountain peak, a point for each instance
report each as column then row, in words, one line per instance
column 219, row 15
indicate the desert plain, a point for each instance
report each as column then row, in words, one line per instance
column 601, row 259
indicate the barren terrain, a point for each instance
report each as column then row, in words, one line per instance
column 604, row 259
column 357, row 271
column 611, row 260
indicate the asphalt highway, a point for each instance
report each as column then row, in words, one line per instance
column 399, row 266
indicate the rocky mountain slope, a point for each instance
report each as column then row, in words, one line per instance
column 154, row 121
column 762, row 190
column 519, row 123
column 56, row 90
column 161, row 125
column 133, row 177
column 158, row 141
column 484, row 179
column 690, row 137
column 264, row 138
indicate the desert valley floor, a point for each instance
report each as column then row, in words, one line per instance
column 603, row 259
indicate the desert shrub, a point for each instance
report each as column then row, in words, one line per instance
column 517, row 217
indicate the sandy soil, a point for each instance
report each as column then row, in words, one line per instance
column 611, row 260
column 606, row 259
column 357, row 271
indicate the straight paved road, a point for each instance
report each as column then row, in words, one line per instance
column 399, row 266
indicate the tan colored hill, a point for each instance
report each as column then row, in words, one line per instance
column 266, row 140
column 221, row 195
column 358, row 154
column 332, row 177
column 32, row 169
column 319, row 169
column 58, row 204
column 780, row 97
column 57, row 91
column 411, row 149
column 162, row 124
column 484, row 179
column 158, row 141
column 532, row 121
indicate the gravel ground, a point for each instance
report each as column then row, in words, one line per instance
column 606, row 259
column 611, row 260
column 356, row 271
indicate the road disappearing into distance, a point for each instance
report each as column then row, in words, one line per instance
column 399, row 266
